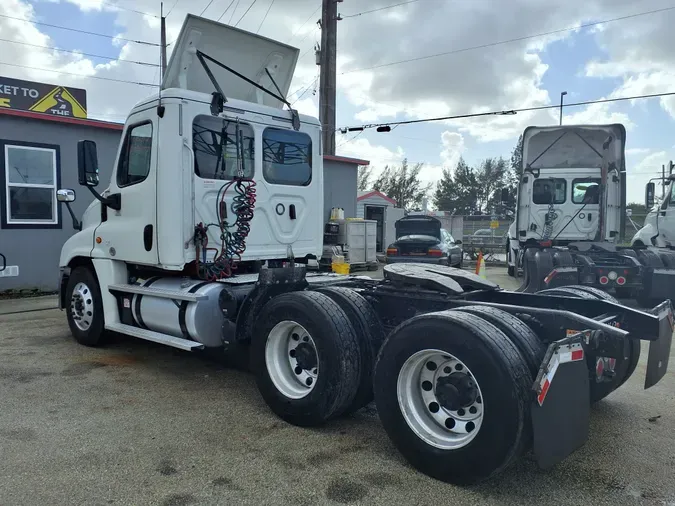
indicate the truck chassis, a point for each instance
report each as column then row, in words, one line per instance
column 466, row 376
column 645, row 274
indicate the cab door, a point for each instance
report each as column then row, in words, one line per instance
column 130, row 233
column 666, row 217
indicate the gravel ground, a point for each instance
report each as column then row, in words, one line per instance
column 137, row 423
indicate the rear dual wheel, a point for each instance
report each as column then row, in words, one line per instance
column 453, row 394
column 312, row 353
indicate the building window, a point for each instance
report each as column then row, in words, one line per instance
column 31, row 179
column 217, row 156
column 546, row 191
column 134, row 165
column 287, row 157
column 586, row 191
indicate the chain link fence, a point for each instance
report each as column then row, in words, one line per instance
column 482, row 233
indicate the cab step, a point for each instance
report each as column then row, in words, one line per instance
column 157, row 292
column 155, row 337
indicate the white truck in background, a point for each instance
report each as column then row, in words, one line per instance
column 570, row 217
column 214, row 204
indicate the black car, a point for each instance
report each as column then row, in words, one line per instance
column 421, row 239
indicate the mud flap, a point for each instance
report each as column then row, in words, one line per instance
column 561, row 408
column 659, row 350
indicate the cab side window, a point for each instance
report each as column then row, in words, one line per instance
column 134, row 164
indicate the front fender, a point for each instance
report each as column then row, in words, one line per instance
column 645, row 235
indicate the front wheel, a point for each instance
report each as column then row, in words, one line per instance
column 84, row 307
column 453, row 394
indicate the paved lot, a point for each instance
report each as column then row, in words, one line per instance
column 137, row 423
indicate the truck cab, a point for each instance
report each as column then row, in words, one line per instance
column 560, row 194
column 659, row 227
column 178, row 158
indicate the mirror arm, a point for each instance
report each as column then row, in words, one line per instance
column 113, row 201
column 76, row 224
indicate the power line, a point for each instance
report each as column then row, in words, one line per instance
column 111, row 4
column 80, row 31
column 207, row 6
column 265, row 17
column 305, row 88
column 78, row 75
column 236, row 6
column 249, row 8
column 306, row 21
column 110, row 58
column 507, row 41
column 512, row 111
column 228, row 8
column 172, row 7
column 380, row 9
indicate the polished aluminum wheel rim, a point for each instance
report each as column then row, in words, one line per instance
column 82, row 306
column 422, row 391
column 291, row 359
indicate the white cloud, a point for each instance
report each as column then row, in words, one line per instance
column 651, row 163
column 453, row 147
column 379, row 156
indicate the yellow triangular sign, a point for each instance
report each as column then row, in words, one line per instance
column 60, row 102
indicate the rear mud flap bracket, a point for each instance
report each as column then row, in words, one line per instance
column 561, row 407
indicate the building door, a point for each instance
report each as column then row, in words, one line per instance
column 376, row 213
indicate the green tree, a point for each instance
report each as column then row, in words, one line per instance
column 364, row 175
column 403, row 185
column 491, row 176
column 457, row 191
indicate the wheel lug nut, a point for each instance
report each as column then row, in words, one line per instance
column 298, row 370
column 427, row 386
column 309, row 382
column 434, row 407
column 461, row 412
column 292, row 353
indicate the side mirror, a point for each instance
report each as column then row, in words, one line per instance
column 87, row 163
column 65, row 195
column 458, row 242
column 649, row 195
column 505, row 195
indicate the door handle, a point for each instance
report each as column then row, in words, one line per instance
column 4, row 262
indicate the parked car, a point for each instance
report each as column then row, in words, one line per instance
column 421, row 239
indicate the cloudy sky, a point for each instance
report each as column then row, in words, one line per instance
column 497, row 55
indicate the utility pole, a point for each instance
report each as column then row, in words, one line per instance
column 663, row 182
column 162, row 42
column 561, row 104
column 327, row 83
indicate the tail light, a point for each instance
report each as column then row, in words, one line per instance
column 435, row 252
column 392, row 251
column 620, row 281
column 604, row 280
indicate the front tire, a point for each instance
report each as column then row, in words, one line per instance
column 453, row 395
column 85, row 308
column 306, row 358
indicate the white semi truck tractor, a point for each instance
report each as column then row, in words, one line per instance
column 200, row 239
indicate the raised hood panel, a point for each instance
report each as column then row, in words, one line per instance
column 572, row 146
column 245, row 52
